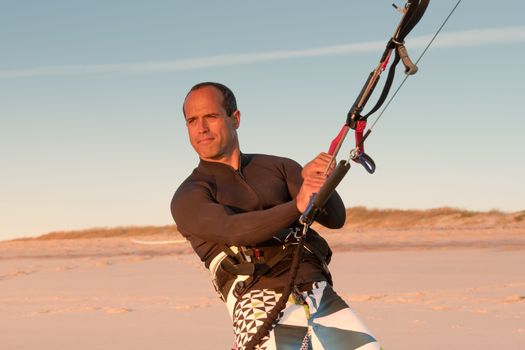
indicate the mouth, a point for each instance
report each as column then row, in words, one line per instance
column 205, row 141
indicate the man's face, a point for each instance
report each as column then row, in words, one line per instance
column 212, row 132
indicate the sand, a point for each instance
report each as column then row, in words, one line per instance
column 112, row 293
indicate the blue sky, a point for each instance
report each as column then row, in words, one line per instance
column 91, row 129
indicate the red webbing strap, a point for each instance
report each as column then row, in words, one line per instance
column 359, row 129
column 385, row 62
column 338, row 140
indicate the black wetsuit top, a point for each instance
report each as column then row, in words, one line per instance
column 218, row 205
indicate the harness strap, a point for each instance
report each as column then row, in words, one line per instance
column 234, row 263
column 322, row 260
column 270, row 260
column 260, row 270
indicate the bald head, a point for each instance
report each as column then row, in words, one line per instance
column 229, row 103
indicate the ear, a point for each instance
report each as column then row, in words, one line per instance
column 236, row 118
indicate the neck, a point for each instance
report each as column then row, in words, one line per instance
column 233, row 158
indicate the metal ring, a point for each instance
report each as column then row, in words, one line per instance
column 398, row 42
column 354, row 153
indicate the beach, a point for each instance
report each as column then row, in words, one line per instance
column 114, row 293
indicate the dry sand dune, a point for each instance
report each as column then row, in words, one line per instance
column 436, row 279
column 359, row 218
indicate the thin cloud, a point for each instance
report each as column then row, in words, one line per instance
column 466, row 38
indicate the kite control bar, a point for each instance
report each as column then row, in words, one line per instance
column 318, row 200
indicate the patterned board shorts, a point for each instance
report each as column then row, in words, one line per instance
column 317, row 319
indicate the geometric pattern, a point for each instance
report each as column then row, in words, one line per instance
column 250, row 313
column 344, row 339
column 318, row 319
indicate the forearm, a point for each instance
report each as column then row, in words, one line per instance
column 216, row 223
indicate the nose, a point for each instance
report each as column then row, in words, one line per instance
column 202, row 126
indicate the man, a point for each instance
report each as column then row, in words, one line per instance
column 240, row 213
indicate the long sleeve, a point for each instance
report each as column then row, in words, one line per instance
column 198, row 214
column 220, row 205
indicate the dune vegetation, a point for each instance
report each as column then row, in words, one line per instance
column 357, row 218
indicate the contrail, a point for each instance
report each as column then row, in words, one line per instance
column 465, row 38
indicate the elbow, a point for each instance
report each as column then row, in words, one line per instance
column 337, row 220
column 334, row 214
column 333, row 219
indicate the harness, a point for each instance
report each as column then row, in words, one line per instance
column 236, row 270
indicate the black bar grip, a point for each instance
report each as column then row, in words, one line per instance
column 319, row 199
column 410, row 67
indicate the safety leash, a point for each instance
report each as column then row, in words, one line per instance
column 412, row 12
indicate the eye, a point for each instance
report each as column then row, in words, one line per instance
column 190, row 121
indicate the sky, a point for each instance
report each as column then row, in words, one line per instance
column 92, row 132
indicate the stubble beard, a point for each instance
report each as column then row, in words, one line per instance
column 215, row 151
